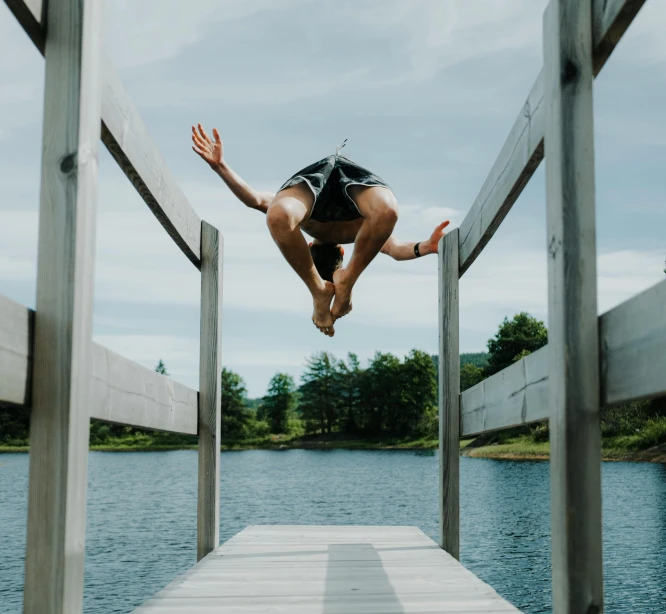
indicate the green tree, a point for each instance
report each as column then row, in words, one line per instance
column 349, row 377
column 161, row 368
column 235, row 415
column 319, row 403
column 470, row 375
column 381, row 404
column 279, row 403
column 418, row 398
column 514, row 337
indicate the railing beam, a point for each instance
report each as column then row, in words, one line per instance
column 210, row 393
column 63, row 323
column 129, row 143
column 449, row 395
column 573, row 346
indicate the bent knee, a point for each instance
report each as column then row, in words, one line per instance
column 386, row 206
column 285, row 214
column 377, row 202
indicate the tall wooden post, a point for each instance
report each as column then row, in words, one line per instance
column 449, row 395
column 63, row 322
column 210, row 369
column 572, row 310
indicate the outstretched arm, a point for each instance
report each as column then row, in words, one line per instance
column 405, row 251
column 213, row 153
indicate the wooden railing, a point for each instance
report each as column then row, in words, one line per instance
column 48, row 361
column 590, row 362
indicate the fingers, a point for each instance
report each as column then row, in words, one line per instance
column 443, row 225
column 203, row 134
column 198, row 140
column 216, row 136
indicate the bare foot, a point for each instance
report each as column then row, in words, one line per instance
column 342, row 304
column 321, row 317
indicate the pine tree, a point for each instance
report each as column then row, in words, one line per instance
column 320, row 401
column 235, row 415
column 278, row 405
column 161, row 368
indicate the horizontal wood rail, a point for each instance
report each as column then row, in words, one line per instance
column 633, row 344
column 127, row 139
column 122, row 391
column 523, row 150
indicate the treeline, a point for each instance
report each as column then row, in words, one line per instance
column 390, row 397
column 387, row 399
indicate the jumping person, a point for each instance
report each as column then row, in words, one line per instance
column 334, row 201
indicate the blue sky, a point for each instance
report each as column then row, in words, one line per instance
column 426, row 91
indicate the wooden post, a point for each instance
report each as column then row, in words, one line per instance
column 572, row 310
column 63, row 322
column 449, row 396
column 210, row 369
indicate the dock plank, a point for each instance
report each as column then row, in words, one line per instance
column 328, row 570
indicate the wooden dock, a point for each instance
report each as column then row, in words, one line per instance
column 327, row 570
column 50, row 365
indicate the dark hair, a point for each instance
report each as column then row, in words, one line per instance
column 327, row 258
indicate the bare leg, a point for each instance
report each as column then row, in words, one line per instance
column 290, row 207
column 380, row 213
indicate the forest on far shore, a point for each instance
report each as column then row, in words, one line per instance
column 389, row 400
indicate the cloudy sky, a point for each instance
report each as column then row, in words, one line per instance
column 426, row 92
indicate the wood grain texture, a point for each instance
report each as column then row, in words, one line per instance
column 519, row 158
column 336, row 570
column 449, row 395
column 128, row 141
column 612, row 18
column 63, row 323
column 633, row 342
column 121, row 390
column 573, row 344
column 514, row 396
column 16, row 328
column 210, row 370
column 124, row 392
column 523, row 150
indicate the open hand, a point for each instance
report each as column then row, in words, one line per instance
column 211, row 151
column 433, row 241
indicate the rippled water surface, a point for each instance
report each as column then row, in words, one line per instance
column 142, row 518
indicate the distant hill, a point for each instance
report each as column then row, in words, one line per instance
column 478, row 359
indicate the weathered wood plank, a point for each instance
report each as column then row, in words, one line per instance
column 449, row 395
column 128, row 141
column 210, row 369
column 29, row 13
column 523, row 150
column 250, row 574
column 518, row 159
column 16, row 329
column 121, row 390
column 611, row 20
column 127, row 393
column 63, row 324
column 514, row 396
column 573, row 350
column 633, row 342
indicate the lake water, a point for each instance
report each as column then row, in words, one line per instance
column 142, row 518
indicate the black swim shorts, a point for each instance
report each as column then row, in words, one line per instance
column 329, row 180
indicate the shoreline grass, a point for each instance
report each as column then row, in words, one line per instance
column 633, row 448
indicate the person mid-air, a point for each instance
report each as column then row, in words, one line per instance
column 334, row 201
